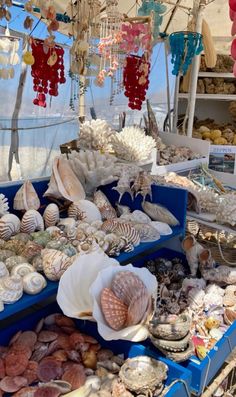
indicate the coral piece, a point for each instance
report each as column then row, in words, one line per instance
column 26, row 198
column 4, row 207
column 132, row 144
column 96, row 135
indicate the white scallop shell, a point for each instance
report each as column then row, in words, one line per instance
column 26, row 198
column 32, row 221
column 51, row 215
column 9, row 225
column 33, row 283
column 22, row 269
column 11, row 289
column 3, row 270
column 86, row 211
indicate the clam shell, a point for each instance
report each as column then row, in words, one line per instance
column 159, row 213
column 64, row 183
column 9, row 225
column 31, row 221
column 51, row 215
column 126, row 285
column 104, row 205
column 22, row 269
column 26, row 198
column 84, row 210
column 3, row 270
column 11, row 289
column 114, row 310
column 33, row 283
column 138, row 307
column 55, row 263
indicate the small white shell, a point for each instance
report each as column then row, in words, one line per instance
column 51, row 215
column 11, row 289
column 3, row 270
column 9, row 225
column 33, row 283
column 32, row 221
column 22, row 269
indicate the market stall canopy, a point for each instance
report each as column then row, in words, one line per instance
column 176, row 17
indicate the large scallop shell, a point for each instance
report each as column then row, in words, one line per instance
column 31, row 221
column 55, row 263
column 51, row 215
column 33, row 283
column 84, row 210
column 159, row 213
column 114, row 310
column 22, row 269
column 138, row 307
column 64, row 183
column 26, row 198
column 9, row 225
column 11, row 289
column 126, row 285
column 104, row 205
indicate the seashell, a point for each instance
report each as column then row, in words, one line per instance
column 143, row 185
column 143, row 374
column 9, row 225
column 41, row 238
column 119, row 390
column 13, row 261
column 33, row 283
column 114, row 310
column 196, row 298
column 66, row 223
column 51, row 215
column 138, row 307
column 31, row 221
column 22, row 269
column 140, row 217
column 84, row 210
column 31, row 250
column 5, row 254
column 55, row 263
column 96, row 224
column 4, row 207
column 94, row 382
column 104, row 205
column 205, row 259
column 11, row 289
column 26, row 198
column 3, row 270
column 123, row 186
column 159, row 213
column 122, row 229
column 222, row 274
column 15, row 245
column 37, row 263
column 162, row 228
column 146, row 232
column 170, row 327
column 69, row 250
column 75, row 376
column 24, row 237
column 64, row 184
column 126, row 285
column 229, row 316
column 87, row 246
column 229, row 298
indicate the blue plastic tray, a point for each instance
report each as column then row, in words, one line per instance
column 174, row 199
column 202, row 371
column 176, row 373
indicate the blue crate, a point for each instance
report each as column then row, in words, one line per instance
column 202, row 371
column 176, row 372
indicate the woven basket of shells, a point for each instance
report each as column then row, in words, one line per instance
column 222, row 244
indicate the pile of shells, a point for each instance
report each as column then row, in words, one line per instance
column 57, row 358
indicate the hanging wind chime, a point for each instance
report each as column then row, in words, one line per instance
column 157, row 10
column 184, row 47
column 9, row 57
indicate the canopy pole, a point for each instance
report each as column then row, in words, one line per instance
column 82, row 82
column 14, row 147
column 199, row 7
column 167, row 85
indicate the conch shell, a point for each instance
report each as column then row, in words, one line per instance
column 64, row 184
column 26, row 198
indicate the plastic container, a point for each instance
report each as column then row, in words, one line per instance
column 202, row 371
column 177, row 374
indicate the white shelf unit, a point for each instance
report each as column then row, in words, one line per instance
column 214, row 97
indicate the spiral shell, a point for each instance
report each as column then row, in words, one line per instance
column 51, row 215
column 31, row 221
column 9, row 225
column 33, row 283
column 114, row 310
column 22, row 269
column 14, row 260
column 11, row 289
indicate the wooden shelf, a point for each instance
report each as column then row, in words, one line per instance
column 213, row 97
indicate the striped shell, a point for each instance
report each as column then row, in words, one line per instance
column 147, row 233
column 22, row 269
column 138, row 307
column 114, row 310
column 55, row 263
column 126, row 285
column 31, row 221
column 84, row 210
column 109, row 225
column 159, row 213
column 76, row 213
column 11, row 289
column 127, row 230
column 104, row 205
column 51, row 215
column 33, row 283
column 26, row 198
column 9, row 225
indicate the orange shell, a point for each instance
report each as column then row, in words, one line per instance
column 138, row 307
column 31, row 372
column 15, row 363
column 114, row 310
column 126, row 285
column 75, row 375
